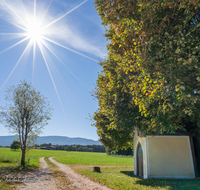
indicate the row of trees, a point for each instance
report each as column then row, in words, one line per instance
column 81, row 148
column 151, row 77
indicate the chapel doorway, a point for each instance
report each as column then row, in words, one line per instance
column 139, row 160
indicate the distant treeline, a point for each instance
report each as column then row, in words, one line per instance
column 81, row 148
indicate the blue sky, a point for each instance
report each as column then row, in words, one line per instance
column 63, row 66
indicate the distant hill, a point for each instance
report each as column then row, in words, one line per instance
column 54, row 140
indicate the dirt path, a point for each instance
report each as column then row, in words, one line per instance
column 40, row 179
column 77, row 180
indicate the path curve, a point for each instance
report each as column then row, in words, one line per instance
column 40, row 179
column 77, row 180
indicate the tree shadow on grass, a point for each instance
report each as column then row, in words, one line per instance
column 12, row 177
column 17, row 167
column 11, row 174
column 172, row 184
column 131, row 174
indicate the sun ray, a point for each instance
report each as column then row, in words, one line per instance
column 14, row 24
column 14, row 45
column 15, row 14
column 69, row 49
column 34, row 43
column 27, row 17
column 46, row 11
column 16, row 65
column 34, row 10
column 12, row 34
column 56, row 72
column 56, row 20
column 41, row 50
column 33, row 61
column 59, row 60
column 44, row 43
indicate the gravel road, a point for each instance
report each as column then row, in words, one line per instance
column 77, row 180
column 41, row 179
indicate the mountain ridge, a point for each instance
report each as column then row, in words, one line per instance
column 54, row 140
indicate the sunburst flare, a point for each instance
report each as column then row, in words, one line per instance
column 36, row 31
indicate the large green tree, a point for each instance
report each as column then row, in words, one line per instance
column 26, row 113
column 155, row 45
column 117, row 112
column 15, row 145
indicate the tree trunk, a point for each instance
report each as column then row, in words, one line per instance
column 23, row 156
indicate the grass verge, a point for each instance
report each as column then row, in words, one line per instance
column 12, row 172
column 122, row 178
column 6, row 186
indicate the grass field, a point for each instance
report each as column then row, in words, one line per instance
column 120, row 178
column 116, row 172
column 83, row 158
column 87, row 158
column 12, row 158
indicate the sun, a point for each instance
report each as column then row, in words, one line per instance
column 37, row 30
column 34, row 31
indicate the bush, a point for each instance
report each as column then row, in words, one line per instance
column 127, row 152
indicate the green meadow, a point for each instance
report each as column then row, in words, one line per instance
column 12, row 157
column 88, row 158
column 121, row 178
column 116, row 172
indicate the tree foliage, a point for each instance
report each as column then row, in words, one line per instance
column 154, row 54
column 26, row 113
column 117, row 112
column 123, row 152
column 15, row 145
